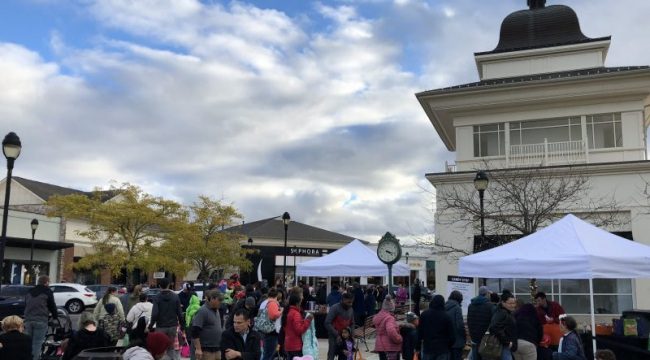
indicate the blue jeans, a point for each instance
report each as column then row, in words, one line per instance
column 270, row 344
column 475, row 354
column 505, row 353
column 37, row 330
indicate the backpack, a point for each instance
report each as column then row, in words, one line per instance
column 263, row 323
column 110, row 323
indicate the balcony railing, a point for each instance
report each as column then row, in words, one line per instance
column 547, row 153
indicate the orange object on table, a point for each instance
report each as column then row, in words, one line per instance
column 554, row 332
column 604, row 329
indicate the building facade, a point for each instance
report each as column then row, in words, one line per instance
column 546, row 100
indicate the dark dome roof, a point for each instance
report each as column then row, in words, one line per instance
column 540, row 27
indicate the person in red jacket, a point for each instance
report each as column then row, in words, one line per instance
column 547, row 311
column 294, row 326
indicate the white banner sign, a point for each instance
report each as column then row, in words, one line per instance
column 466, row 287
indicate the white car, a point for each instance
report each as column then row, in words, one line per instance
column 73, row 297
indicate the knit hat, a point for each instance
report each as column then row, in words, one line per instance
column 410, row 317
column 250, row 302
column 157, row 343
column 388, row 304
column 483, row 291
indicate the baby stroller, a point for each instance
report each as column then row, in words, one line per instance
column 58, row 330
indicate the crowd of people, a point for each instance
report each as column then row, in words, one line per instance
column 232, row 322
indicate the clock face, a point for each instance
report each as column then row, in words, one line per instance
column 388, row 252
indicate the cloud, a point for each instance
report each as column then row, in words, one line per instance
column 311, row 113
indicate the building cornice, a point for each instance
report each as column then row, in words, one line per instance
column 614, row 168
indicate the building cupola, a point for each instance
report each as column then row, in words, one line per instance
column 540, row 26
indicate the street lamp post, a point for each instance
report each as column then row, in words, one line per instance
column 286, row 219
column 295, row 266
column 481, row 183
column 409, row 280
column 34, row 226
column 250, row 247
column 11, row 149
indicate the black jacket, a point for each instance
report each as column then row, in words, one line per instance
column 84, row 339
column 417, row 293
column 167, row 311
column 479, row 315
column 39, row 303
column 409, row 340
column 503, row 325
column 184, row 298
column 435, row 332
column 16, row 346
column 249, row 350
column 528, row 326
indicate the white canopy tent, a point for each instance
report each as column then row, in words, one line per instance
column 568, row 249
column 354, row 259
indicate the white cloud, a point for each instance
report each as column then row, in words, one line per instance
column 259, row 107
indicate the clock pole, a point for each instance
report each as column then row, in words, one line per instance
column 390, row 280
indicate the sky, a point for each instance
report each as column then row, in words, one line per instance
column 272, row 106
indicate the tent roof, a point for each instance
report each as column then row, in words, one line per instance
column 354, row 259
column 568, row 249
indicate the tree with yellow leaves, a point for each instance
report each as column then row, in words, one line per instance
column 126, row 230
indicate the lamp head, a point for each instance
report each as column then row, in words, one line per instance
column 11, row 146
column 34, row 224
column 286, row 219
column 481, row 181
column 250, row 241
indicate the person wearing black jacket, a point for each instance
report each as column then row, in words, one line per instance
column 39, row 304
column 503, row 325
column 417, row 296
column 14, row 344
column 479, row 314
column 88, row 337
column 409, row 332
column 529, row 332
column 435, row 331
column 240, row 342
column 166, row 315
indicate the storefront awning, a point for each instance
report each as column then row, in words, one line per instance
column 38, row 244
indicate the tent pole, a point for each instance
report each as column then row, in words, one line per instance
column 593, row 316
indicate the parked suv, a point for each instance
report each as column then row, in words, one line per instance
column 73, row 297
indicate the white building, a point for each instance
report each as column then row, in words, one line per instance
column 546, row 97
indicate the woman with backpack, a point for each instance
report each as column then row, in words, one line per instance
column 109, row 313
column 269, row 322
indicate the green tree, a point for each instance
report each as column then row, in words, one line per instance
column 203, row 243
column 126, row 227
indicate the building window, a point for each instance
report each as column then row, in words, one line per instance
column 604, row 131
column 611, row 296
column 551, row 130
column 489, row 140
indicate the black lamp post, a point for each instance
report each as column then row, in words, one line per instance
column 250, row 247
column 409, row 279
column 11, row 149
column 34, row 226
column 286, row 219
column 295, row 266
column 481, row 183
